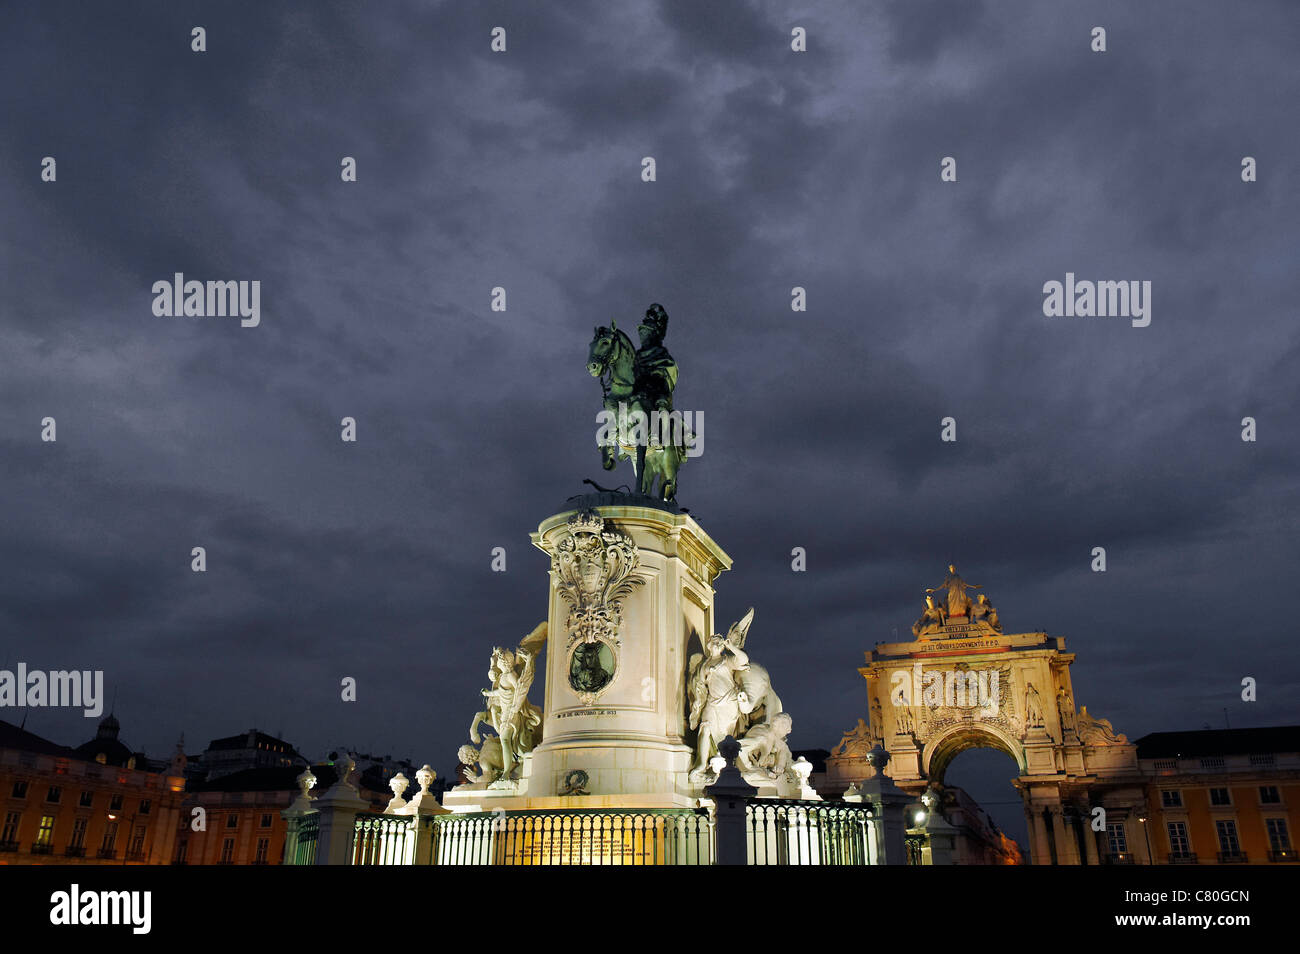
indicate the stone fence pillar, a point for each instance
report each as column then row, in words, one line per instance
column 338, row 817
column 889, row 810
column 731, row 795
column 423, row 807
column 298, row 809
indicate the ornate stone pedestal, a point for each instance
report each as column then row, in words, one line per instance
column 631, row 587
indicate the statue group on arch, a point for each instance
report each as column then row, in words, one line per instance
column 955, row 606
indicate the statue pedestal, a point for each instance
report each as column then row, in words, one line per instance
column 615, row 699
column 629, row 736
column 1040, row 752
column 905, row 757
column 1073, row 752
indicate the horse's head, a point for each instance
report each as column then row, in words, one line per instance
column 601, row 351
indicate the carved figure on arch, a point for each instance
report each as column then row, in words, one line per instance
column 932, row 619
column 1065, row 707
column 1033, row 707
column 857, row 742
column 1094, row 731
column 983, row 610
column 958, row 603
column 903, row 713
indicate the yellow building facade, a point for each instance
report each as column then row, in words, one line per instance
column 59, row 807
column 1227, row 796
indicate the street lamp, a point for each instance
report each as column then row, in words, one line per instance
column 1147, row 833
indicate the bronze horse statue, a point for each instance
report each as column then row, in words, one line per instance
column 612, row 359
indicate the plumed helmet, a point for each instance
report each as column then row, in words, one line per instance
column 657, row 319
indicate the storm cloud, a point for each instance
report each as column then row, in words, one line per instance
column 522, row 170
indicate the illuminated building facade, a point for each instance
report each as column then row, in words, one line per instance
column 1222, row 796
column 96, row 804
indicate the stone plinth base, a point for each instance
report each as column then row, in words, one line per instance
column 627, row 731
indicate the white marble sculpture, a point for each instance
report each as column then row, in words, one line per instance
column 398, row 784
column 764, row 749
column 728, row 693
column 516, row 721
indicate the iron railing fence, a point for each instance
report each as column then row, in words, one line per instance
column 379, row 839
column 788, row 832
column 588, row 837
column 308, row 833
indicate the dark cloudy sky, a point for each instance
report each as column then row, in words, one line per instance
column 522, row 170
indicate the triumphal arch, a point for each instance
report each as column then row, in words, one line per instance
column 961, row 683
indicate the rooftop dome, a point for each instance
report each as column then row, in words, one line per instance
column 105, row 743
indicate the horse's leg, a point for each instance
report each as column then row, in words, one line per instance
column 662, row 470
column 647, row 480
column 672, row 462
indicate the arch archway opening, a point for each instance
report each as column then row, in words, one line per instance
column 977, row 779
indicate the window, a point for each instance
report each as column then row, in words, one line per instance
column 1220, row 796
column 1227, row 830
column 10, row 832
column 19, row 789
column 115, row 803
column 110, row 837
column 266, row 820
column 145, row 806
column 1171, row 798
column 1178, row 843
column 263, row 846
column 1268, row 795
column 227, row 851
column 45, row 834
column 137, row 841
column 1278, row 837
column 87, row 799
column 54, row 795
column 182, row 851
column 78, row 839
column 232, row 821
column 1116, row 840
